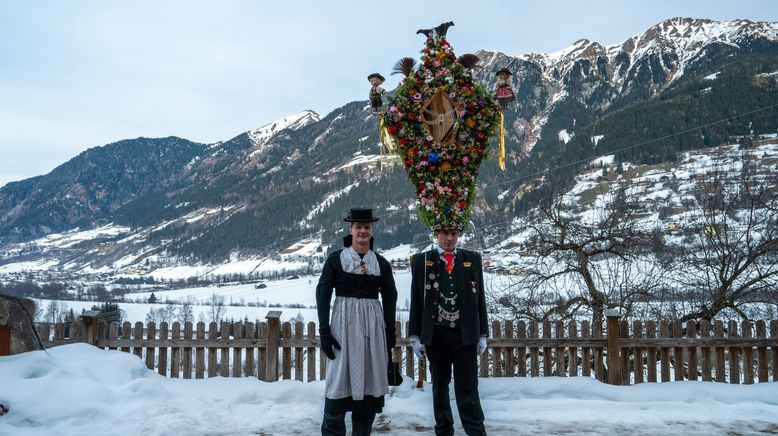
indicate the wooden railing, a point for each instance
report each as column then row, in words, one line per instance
column 620, row 353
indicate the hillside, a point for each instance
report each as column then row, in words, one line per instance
column 680, row 86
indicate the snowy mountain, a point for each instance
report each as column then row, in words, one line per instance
column 278, row 192
column 265, row 133
column 603, row 79
column 101, row 180
column 93, row 184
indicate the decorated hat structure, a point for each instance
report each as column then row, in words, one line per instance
column 441, row 121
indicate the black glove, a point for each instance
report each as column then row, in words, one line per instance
column 391, row 341
column 327, row 342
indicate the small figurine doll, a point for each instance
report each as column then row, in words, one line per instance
column 376, row 102
column 502, row 89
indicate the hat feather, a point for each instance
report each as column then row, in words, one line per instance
column 404, row 66
column 468, row 60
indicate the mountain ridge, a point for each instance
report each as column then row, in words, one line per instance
column 291, row 179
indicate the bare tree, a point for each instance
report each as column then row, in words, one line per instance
column 217, row 307
column 55, row 311
column 168, row 312
column 577, row 261
column 633, row 283
column 38, row 315
column 185, row 313
column 732, row 263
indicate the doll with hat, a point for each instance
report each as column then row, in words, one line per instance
column 376, row 92
column 503, row 91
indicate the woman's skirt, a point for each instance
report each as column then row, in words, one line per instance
column 359, row 370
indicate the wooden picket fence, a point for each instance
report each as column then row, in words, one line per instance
column 617, row 353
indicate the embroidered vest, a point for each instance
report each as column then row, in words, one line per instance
column 448, row 304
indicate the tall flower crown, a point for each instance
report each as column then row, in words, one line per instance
column 442, row 121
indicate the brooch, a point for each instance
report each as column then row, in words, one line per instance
column 466, row 264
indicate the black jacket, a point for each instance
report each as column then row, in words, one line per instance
column 468, row 273
column 355, row 285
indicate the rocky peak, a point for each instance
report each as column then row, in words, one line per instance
column 688, row 35
column 603, row 78
column 297, row 121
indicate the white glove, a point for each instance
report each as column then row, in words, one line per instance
column 418, row 347
column 481, row 345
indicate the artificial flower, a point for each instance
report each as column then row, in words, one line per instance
column 444, row 175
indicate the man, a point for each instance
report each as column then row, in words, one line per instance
column 448, row 325
column 360, row 334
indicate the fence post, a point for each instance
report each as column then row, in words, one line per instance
column 761, row 333
column 273, row 333
column 311, row 353
column 410, row 367
column 250, row 368
column 151, row 337
column 774, row 335
column 614, row 347
column 89, row 322
column 286, row 352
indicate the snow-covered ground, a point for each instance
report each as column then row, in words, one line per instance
column 80, row 390
column 247, row 301
column 240, row 300
column 667, row 186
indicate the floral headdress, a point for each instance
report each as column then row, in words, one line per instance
column 442, row 121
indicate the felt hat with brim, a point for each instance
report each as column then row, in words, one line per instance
column 380, row 77
column 504, row 70
column 360, row 215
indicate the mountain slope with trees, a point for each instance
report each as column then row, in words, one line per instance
column 661, row 92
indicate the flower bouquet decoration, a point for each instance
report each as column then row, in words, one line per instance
column 441, row 122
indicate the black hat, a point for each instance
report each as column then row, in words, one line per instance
column 504, row 70
column 360, row 215
column 376, row 75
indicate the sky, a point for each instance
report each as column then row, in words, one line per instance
column 79, row 389
column 79, row 74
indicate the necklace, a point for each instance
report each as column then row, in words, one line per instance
column 449, row 300
column 451, row 317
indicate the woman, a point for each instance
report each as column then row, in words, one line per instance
column 358, row 337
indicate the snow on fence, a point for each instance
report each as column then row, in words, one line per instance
column 618, row 354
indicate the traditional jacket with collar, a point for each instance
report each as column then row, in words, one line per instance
column 352, row 285
column 426, row 268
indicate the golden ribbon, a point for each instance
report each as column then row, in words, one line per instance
column 501, row 155
column 385, row 139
